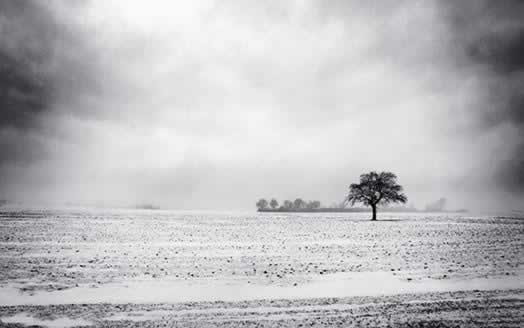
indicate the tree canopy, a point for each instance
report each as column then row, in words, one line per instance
column 313, row 204
column 262, row 204
column 288, row 204
column 376, row 189
column 299, row 203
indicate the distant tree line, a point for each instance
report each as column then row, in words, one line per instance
column 375, row 189
column 297, row 204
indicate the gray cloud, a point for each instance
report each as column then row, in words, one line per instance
column 217, row 103
column 25, row 83
column 42, row 60
column 490, row 38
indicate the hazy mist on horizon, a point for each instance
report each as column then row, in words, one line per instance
column 214, row 104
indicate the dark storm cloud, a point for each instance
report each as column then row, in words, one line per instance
column 491, row 35
column 502, row 51
column 25, row 86
column 42, row 60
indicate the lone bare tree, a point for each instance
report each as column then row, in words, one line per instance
column 376, row 189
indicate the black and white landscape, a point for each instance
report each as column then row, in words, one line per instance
column 252, row 163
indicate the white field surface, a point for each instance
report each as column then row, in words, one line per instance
column 156, row 261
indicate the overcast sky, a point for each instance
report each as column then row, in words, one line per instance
column 214, row 104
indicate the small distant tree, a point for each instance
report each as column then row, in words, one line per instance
column 309, row 205
column 338, row 205
column 299, row 203
column 437, row 206
column 273, row 203
column 288, row 204
column 261, row 204
column 376, row 189
column 314, row 204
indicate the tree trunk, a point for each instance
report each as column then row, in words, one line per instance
column 374, row 208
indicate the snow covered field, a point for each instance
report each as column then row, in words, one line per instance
column 138, row 267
